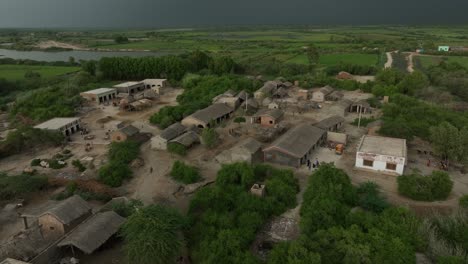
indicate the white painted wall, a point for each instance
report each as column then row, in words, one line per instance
column 158, row 142
column 380, row 163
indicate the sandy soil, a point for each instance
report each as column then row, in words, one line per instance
column 55, row 44
column 389, row 62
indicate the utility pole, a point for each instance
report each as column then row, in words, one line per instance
column 360, row 114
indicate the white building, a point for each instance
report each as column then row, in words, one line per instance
column 382, row 154
column 100, row 95
column 155, row 84
column 65, row 125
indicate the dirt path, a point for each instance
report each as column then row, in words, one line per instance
column 410, row 62
column 389, row 62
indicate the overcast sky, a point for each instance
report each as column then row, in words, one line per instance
column 180, row 13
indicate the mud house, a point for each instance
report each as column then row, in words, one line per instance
column 267, row 90
column 100, row 95
column 382, row 154
column 160, row 141
column 215, row 113
column 65, row 125
column 267, row 117
column 230, row 98
column 156, row 85
column 130, row 88
column 332, row 123
column 360, row 106
column 344, row 76
column 321, row 94
column 62, row 217
column 295, row 147
column 125, row 133
column 334, row 96
column 248, row 150
column 302, row 94
column 187, row 139
column 94, row 232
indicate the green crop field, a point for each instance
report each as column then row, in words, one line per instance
column 16, row 72
column 334, row 59
column 427, row 61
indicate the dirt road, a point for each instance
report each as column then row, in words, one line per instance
column 410, row 62
column 56, row 44
column 389, row 62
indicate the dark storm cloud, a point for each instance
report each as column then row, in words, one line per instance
column 177, row 13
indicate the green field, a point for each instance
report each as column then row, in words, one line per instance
column 427, row 61
column 334, row 59
column 16, row 72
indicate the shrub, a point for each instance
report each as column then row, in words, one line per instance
column 16, row 186
column 126, row 209
column 36, row 162
column 177, row 149
column 369, row 197
column 54, row 164
column 364, row 121
column 239, row 119
column 436, row 186
column 77, row 164
column 209, row 137
column 114, row 173
column 464, row 201
column 185, row 173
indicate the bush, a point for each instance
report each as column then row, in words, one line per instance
column 35, row 162
column 369, row 197
column 184, row 173
column 114, row 173
column 210, row 137
column 464, row 201
column 364, row 121
column 77, row 164
column 54, row 164
column 126, row 209
column 17, row 186
column 177, row 149
column 436, row 186
column 239, row 119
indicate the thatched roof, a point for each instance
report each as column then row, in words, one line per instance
column 329, row 122
column 173, row 131
column 212, row 112
column 69, row 209
column 273, row 113
column 298, row 140
column 187, row 139
column 93, row 233
column 130, row 130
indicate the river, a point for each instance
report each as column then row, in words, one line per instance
column 77, row 54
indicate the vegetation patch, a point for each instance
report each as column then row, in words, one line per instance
column 225, row 217
column 18, row 186
column 118, row 169
column 436, row 186
column 185, row 173
column 19, row 72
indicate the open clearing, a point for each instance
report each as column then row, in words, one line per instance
column 16, row 72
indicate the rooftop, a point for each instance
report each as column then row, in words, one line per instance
column 249, row 144
column 383, row 145
column 274, row 113
column 298, row 140
column 69, row 209
column 127, row 84
column 57, row 123
column 187, row 139
column 94, row 232
column 130, row 130
column 329, row 122
column 212, row 112
column 173, row 131
column 13, row 261
column 326, row 90
column 100, row 91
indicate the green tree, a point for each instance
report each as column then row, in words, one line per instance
column 463, row 201
column 184, row 173
column 413, row 82
column 119, row 39
column 447, row 141
column 210, row 137
column 114, row 173
column 152, row 235
column 313, row 56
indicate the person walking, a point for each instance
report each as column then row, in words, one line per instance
column 151, row 170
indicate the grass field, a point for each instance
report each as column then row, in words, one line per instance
column 16, row 72
column 427, row 61
column 334, row 59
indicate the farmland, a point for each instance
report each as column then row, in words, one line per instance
column 17, row 72
column 427, row 61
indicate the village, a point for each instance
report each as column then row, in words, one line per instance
column 280, row 124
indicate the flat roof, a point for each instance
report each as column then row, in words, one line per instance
column 57, row 123
column 100, row 91
column 383, row 145
column 127, row 84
